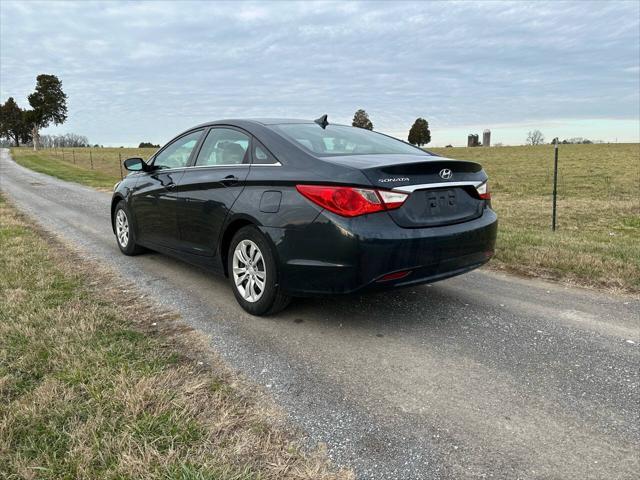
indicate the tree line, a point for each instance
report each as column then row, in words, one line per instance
column 578, row 140
column 419, row 134
column 64, row 141
column 536, row 137
column 48, row 105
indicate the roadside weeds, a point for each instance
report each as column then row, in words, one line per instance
column 95, row 382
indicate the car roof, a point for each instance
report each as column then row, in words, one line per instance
column 259, row 121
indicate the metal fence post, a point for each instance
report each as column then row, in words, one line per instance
column 91, row 159
column 120, row 163
column 555, row 185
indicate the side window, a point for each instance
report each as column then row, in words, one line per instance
column 224, row 146
column 176, row 155
column 261, row 155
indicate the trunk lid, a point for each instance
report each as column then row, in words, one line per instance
column 441, row 190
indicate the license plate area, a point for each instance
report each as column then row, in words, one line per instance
column 441, row 202
column 439, row 206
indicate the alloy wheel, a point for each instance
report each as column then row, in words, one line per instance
column 249, row 270
column 122, row 228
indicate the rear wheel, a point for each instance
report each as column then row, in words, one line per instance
column 253, row 273
column 125, row 234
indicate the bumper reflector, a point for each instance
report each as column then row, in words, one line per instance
column 394, row 276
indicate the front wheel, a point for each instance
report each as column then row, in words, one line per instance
column 253, row 273
column 125, row 234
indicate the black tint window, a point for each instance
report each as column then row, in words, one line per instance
column 176, row 155
column 224, row 146
column 343, row 140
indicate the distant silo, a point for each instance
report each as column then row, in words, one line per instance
column 472, row 140
column 486, row 138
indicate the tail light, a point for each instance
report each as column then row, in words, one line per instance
column 352, row 201
column 483, row 191
column 392, row 200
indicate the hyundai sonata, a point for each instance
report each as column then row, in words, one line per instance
column 295, row 208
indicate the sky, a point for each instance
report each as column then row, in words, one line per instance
column 144, row 71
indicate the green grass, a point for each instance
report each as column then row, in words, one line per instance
column 598, row 238
column 597, row 242
column 89, row 388
column 60, row 169
column 94, row 167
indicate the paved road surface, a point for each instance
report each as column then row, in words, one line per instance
column 480, row 376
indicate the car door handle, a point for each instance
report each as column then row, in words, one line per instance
column 170, row 186
column 230, row 180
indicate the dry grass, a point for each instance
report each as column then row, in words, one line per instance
column 94, row 383
column 598, row 238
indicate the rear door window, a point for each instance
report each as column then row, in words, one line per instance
column 224, row 146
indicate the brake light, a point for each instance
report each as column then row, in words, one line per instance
column 483, row 191
column 352, row 201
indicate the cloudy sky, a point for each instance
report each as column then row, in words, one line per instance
column 144, row 71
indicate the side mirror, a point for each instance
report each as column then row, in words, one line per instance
column 135, row 164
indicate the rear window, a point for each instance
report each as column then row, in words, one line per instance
column 344, row 140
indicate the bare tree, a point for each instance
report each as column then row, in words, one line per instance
column 66, row 140
column 535, row 138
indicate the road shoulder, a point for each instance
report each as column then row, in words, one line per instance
column 96, row 381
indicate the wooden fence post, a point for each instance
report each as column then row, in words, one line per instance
column 63, row 154
column 73, row 152
column 91, row 159
column 120, row 163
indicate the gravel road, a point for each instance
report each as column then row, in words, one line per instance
column 480, row 376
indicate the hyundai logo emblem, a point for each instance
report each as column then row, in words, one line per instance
column 446, row 173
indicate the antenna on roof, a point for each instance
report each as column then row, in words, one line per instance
column 322, row 121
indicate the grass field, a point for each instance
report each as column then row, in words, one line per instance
column 95, row 384
column 598, row 238
column 95, row 167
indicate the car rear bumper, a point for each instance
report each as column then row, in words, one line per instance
column 344, row 255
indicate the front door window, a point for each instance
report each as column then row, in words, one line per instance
column 177, row 154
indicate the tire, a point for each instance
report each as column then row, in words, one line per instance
column 250, row 259
column 125, row 231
